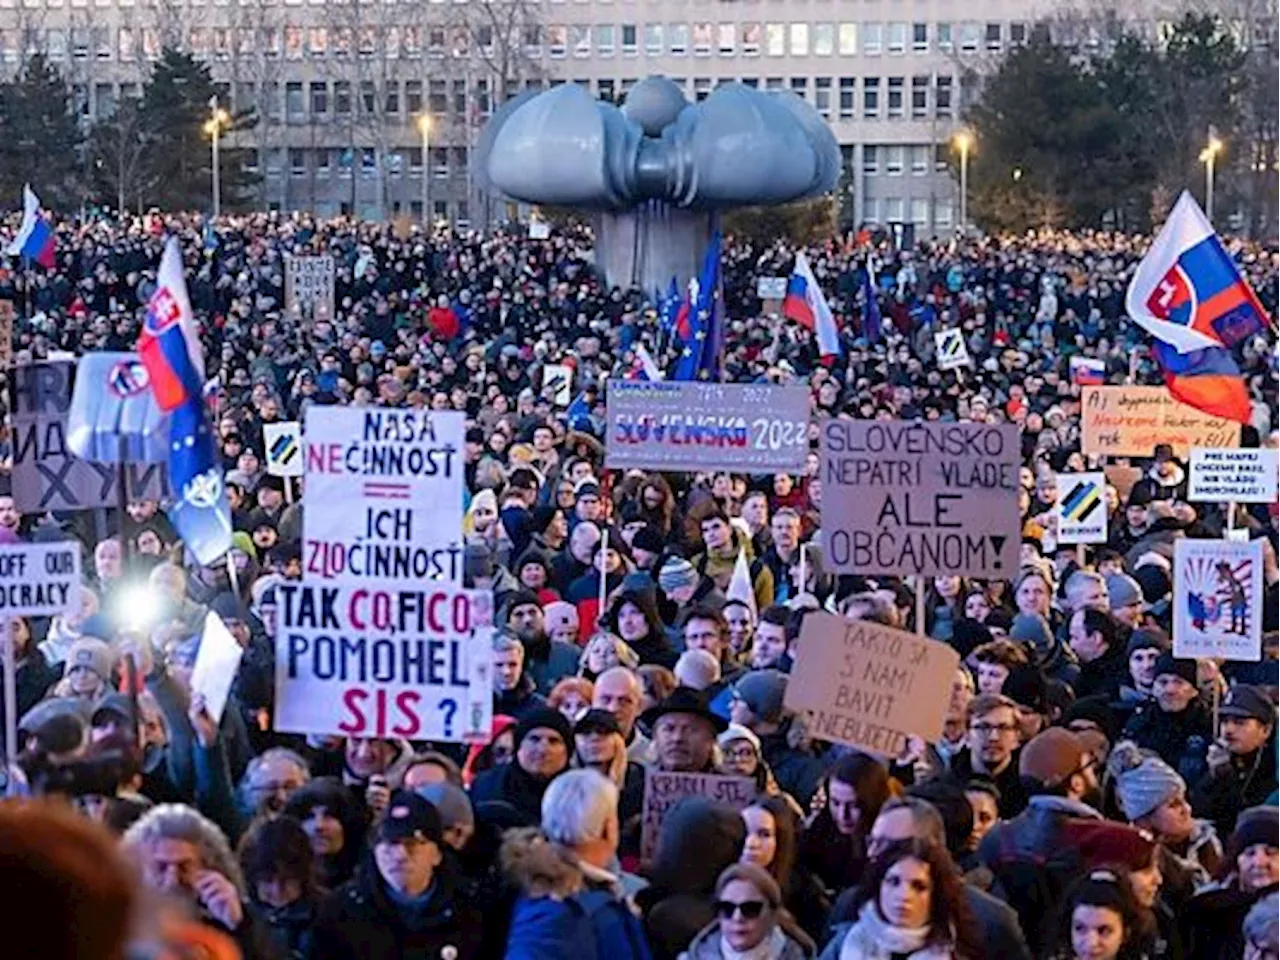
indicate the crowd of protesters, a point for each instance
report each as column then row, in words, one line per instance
column 1091, row 796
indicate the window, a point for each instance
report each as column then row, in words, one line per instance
column 847, row 95
column 324, row 162
column 414, row 157
column 533, row 41
column 127, row 41
column 440, row 162
column 872, row 35
column 411, row 41
column 629, row 36
column 557, row 40
column 606, row 90
column 244, row 41
column 920, row 212
column 391, row 101
column 870, row 159
column 751, row 39
column 368, row 98
column 458, row 98
column 319, row 99
column 368, row 162
column 822, row 97
column 968, row 36
column 341, row 42
column 920, row 37
column 919, row 97
column 368, row 41
column 871, row 97
column 653, row 39
column 702, row 34
column 942, row 216
column 271, row 100
column 895, row 159
column 297, row 162
column 892, row 209
column 799, row 39
column 252, row 159
column 604, row 39
column 580, row 39
column 897, row 37
column 775, row 39
column 484, row 39
column 848, row 40
column 824, row 39
column 920, row 159
column 701, row 88
column 727, row 39
column 942, row 97
column 751, row 83
column 294, row 105
column 342, row 98
column 678, row 38
column 459, row 159
column 800, row 86
column 871, row 210
column 944, row 37
column 895, row 98
column 413, row 97
column 484, row 103
column 995, row 36
column 437, row 99
column 773, row 83
column 1017, row 34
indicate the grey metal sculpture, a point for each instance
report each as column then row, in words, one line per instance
column 656, row 171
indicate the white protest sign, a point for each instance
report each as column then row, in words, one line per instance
column 1217, row 599
column 39, row 579
column 408, row 662
column 539, row 230
column 309, row 287
column 557, row 383
column 771, row 288
column 384, row 496
column 1225, row 475
column 952, row 352
column 216, row 664
column 284, row 448
column 1081, row 507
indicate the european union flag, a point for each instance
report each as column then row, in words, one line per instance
column 700, row 351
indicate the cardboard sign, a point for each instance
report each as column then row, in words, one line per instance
column 952, row 351
column 869, row 686
column 1082, row 507
column 1233, row 476
column 284, row 448
column 39, row 579
column 381, row 661
column 7, row 317
column 217, row 662
column 663, row 790
column 384, row 496
column 1217, row 599
column 46, row 474
column 309, row 287
column 771, row 288
column 1131, row 421
column 926, row 499
column 675, row 425
column 1123, row 479
column 557, row 383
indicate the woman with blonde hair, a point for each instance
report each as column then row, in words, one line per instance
column 604, row 651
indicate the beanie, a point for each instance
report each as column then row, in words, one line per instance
column 738, row 732
column 763, row 692
column 1155, row 583
column 1143, row 781
column 561, row 615
column 518, row 598
column 1103, row 842
column 540, row 518
column 1026, row 686
column 1123, row 591
column 1256, row 825
column 1052, row 756
column 647, row 539
column 1169, row 664
column 451, row 801
column 967, row 635
column 677, row 572
column 1031, row 629
column 91, row 653
column 544, row 718
column 1147, row 638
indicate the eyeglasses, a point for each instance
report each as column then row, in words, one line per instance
column 749, row 909
column 987, row 729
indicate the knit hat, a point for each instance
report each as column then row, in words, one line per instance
column 560, row 615
column 1102, row 842
column 477, row 561
column 1147, row 638
column 1155, row 583
column 540, row 518
column 697, row 669
column 1167, row 663
column 1026, row 686
column 1031, row 629
column 763, row 692
column 597, row 721
column 738, row 732
column 647, row 539
column 92, row 653
column 967, row 635
column 452, row 803
column 1256, row 825
column 1123, row 591
column 1052, row 756
column 677, row 572
column 1143, row 781
column 544, row 718
column 518, row 598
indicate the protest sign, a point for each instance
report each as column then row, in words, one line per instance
column 1217, row 599
column 870, row 686
column 384, row 495
column 284, row 448
column 6, row 333
column 1122, row 478
column 309, row 287
column 1233, row 476
column 39, row 579
column 675, row 425
column 663, row 790
column 1131, row 421
column 1081, row 507
column 952, row 351
column 376, row 660
column 771, row 288
column 926, row 499
column 539, row 230
column 216, row 664
column 47, row 475
column 557, row 383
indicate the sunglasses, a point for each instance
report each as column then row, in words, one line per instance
column 749, row 909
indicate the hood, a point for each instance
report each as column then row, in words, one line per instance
column 539, row 867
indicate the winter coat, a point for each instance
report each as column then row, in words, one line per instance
column 289, row 930
column 1213, row 919
column 548, row 661
column 564, row 908
column 864, row 944
column 795, row 943
column 519, row 701
column 1013, row 797
column 509, row 783
column 1240, row 783
column 1105, row 675
column 718, row 565
column 1181, row 739
column 797, row 771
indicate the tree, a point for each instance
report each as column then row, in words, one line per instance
column 175, row 108
column 800, row 223
column 118, row 160
column 39, row 139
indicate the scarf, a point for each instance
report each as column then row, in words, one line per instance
column 874, row 938
column 770, row 948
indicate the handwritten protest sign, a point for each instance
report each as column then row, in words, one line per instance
column 1233, row 476
column 39, row 579
column 928, row 499
column 870, row 686
column 381, row 661
column 309, row 287
column 1081, row 507
column 6, row 333
column 1131, row 421
column 663, row 790
column 1217, row 599
column 675, row 425
column 384, row 495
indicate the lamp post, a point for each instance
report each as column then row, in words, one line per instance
column 424, row 124
column 964, row 143
column 218, row 118
column 1208, row 156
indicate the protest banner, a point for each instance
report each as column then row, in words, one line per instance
column 925, row 499
column 1081, row 507
column 284, row 448
column 6, row 333
column 1217, row 599
column 216, row 664
column 557, row 383
column 663, row 790
column 1122, row 478
column 952, row 351
column 771, row 288
column 679, row 425
column 384, row 495
column 870, row 686
column 309, row 287
column 39, row 579
column 374, row 660
column 1233, row 475
column 1131, row 421
column 47, row 475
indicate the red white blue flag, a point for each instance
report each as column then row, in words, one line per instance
column 35, row 239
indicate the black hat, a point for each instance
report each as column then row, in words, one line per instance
column 540, row 518
column 685, row 700
column 1167, row 663
column 597, row 721
column 648, row 540
column 968, row 634
column 116, row 705
column 518, row 598
column 1249, row 702
column 544, row 718
column 1025, row 685
column 409, row 817
column 587, row 488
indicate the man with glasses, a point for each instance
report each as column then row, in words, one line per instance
column 267, row 783
column 991, row 751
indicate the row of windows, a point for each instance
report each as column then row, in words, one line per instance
column 916, row 211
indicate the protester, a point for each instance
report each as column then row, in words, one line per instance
column 751, row 921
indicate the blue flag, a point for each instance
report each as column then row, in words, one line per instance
column 872, row 328
column 700, row 352
column 668, row 307
column 579, row 414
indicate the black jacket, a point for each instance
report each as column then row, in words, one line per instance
column 1013, row 798
column 1240, row 783
column 510, row 784
column 1104, row 675
column 1181, row 739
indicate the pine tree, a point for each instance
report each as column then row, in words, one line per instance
column 39, row 138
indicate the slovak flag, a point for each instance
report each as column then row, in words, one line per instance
column 35, row 239
column 169, row 343
column 1188, row 294
column 806, row 305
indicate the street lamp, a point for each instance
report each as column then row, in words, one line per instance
column 964, row 143
column 1207, row 156
column 424, row 124
column 218, row 119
